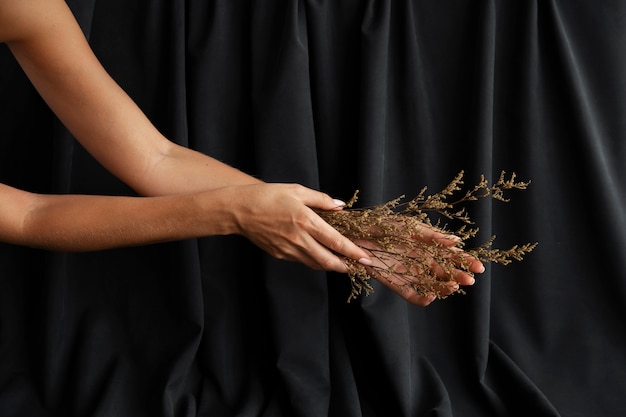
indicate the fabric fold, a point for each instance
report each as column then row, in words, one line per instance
column 381, row 96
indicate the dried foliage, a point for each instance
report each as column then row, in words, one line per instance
column 395, row 233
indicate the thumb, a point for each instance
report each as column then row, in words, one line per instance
column 319, row 200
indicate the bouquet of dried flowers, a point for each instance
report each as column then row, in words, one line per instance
column 391, row 233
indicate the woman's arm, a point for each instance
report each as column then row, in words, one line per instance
column 51, row 48
column 87, row 222
column 199, row 195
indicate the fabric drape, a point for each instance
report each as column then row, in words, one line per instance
column 383, row 96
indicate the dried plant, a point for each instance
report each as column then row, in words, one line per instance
column 394, row 233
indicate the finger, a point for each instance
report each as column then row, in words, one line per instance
column 449, row 274
column 401, row 288
column 468, row 262
column 466, row 265
column 469, row 265
column 319, row 257
column 428, row 233
column 305, row 250
column 420, row 300
column 430, row 293
column 464, row 278
column 329, row 237
column 410, row 294
column 476, row 266
column 325, row 233
column 316, row 199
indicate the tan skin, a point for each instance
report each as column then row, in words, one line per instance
column 185, row 194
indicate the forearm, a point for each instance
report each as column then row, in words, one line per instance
column 86, row 223
column 61, row 65
column 117, row 133
column 182, row 170
column 50, row 47
column 273, row 216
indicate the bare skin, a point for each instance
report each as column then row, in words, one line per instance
column 448, row 282
column 185, row 194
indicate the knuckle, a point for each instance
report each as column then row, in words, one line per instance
column 328, row 263
column 279, row 255
column 336, row 244
column 295, row 189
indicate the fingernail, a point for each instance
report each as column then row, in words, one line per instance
column 365, row 261
column 339, row 203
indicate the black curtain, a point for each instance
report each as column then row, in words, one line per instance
column 384, row 96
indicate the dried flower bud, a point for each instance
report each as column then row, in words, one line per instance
column 399, row 237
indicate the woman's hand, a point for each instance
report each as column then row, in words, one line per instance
column 279, row 219
column 388, row 269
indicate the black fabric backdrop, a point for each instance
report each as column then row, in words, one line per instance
column 385, row 96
